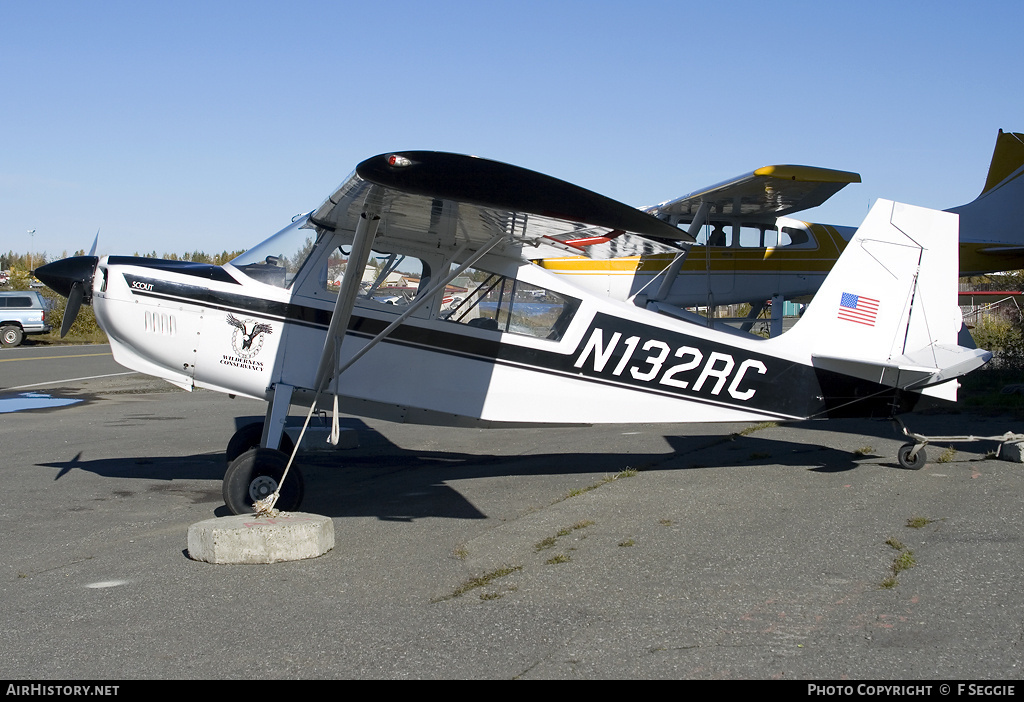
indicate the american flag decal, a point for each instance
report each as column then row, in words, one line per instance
column 857, row 308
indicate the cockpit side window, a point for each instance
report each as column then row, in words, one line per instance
column 487, row 300
column 388, row 278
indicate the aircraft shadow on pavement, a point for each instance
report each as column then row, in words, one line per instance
column 380, row 479
column 752, row 450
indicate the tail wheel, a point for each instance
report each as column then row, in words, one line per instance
column 915, row 462
column 255, row 475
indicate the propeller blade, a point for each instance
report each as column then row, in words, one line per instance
column 92, row 251
column 62, row 275
column 71, row 309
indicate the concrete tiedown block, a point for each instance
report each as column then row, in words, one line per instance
column 1011, row 451
column 246, row 538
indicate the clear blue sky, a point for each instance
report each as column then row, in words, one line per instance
column 207, row 125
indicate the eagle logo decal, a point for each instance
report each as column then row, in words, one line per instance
column 247, row 339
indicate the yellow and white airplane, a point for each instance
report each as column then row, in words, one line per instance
column 758, row 252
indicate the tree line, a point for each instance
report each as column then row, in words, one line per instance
column 11, row 261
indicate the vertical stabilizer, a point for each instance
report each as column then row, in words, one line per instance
column 1007, row 159
column 996, row 216
column 888, row 310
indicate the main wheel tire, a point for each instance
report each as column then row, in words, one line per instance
column 255, row 475
column 11, row 336
column 248, row 437
column 915, row 463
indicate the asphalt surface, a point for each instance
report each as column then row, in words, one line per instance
column 501, row 554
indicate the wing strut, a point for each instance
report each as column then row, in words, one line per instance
column 670, row 273
column 362, row 245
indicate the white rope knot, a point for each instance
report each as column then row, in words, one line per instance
column 265, row 507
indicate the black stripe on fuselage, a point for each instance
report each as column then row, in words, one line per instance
column 613, row 351
column 198, row 270
column 227, row 301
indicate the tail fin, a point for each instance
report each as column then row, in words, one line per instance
column 1007, row 159
column 996, row 216
column 888, row 310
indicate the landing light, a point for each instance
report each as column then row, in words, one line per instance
column 398, row 161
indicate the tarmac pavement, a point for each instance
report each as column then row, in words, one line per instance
column 651, row 551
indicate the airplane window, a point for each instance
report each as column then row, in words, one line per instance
column 388, row 279
column 791, row 236
column 717, row 234
column 758, row 236
column 491, row 301
column 755, row 236
column 277, row 260
column 720, row 235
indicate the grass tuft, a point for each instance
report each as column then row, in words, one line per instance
column 905, row 559
column 757, row 427
column 627, row 473
column 482, row 581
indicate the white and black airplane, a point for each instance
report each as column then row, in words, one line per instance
column 411, row 295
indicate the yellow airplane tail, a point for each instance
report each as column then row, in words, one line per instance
column 992, row 225
column 1007, row 159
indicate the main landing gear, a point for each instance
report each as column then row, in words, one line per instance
column 254, row 471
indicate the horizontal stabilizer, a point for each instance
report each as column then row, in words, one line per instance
column 929, row 366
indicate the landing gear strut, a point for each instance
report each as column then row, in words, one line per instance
column 255, row 466
column 248, row 437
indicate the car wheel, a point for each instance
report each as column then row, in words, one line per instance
column 11, row 336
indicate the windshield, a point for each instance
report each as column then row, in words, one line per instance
column 279, row 258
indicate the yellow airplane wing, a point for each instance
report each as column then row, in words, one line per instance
column 768, row 192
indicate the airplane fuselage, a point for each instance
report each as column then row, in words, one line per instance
column 736, row 273
column 213, row 327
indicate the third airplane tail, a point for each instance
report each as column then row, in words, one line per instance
column 992, row 226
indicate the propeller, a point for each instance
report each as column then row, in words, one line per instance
column 72, row 278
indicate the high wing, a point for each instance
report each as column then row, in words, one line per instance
column 462, row 204
column 767, row 193
column 451, row 200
